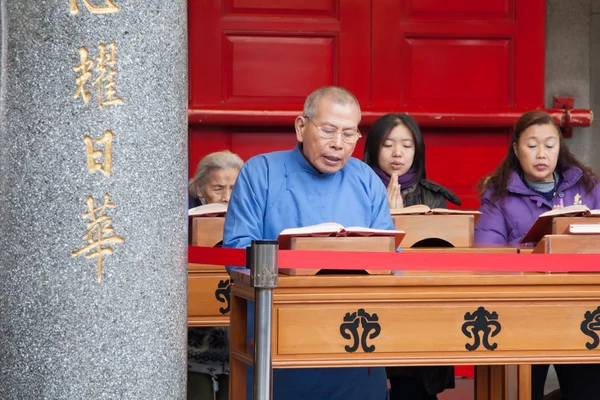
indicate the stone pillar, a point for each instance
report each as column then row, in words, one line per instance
column 571, row 66
column 93, row 177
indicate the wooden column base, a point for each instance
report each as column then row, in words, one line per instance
column 503, row 382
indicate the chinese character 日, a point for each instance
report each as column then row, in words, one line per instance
column 105, row 69
column 108, row 8
column 93, row 155
column 99, row 233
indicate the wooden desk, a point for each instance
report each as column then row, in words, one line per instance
column 426, row 318
column 208, row 285
column 208, row 295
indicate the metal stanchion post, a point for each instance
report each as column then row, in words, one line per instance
column 263, row 275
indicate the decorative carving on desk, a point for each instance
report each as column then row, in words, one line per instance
column 370, row 329
column 590, row 324
column 222, row 295
column 481, row 321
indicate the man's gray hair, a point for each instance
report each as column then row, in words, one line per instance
column 219, row 160
column 337, row 94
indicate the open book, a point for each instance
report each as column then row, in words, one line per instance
column 423, row 209
column 208, row 210
column 334, row 229
column 543, row 224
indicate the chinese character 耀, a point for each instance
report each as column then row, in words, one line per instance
column 93, row 155
column 109, row 8
column 104, row 68
column 99, row 233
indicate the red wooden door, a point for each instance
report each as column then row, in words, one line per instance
column 252, row 62
column 459, row 56
column 248, row 55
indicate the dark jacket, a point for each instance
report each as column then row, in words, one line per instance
column 429, row 193
column 435, row 379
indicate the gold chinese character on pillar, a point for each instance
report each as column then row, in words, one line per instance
column 109, row 7
column 106, row 76
column 84, row 69
column 99, row 233
column 104, row 68
column 93, row 155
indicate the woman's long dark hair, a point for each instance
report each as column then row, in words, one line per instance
column 498, row 180
column 380, row 131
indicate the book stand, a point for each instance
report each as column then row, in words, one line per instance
column 206, row 231
column 344, row 243
column 457, row 230
column 568, row 244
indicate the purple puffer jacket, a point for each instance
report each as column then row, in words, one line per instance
column 508, row 219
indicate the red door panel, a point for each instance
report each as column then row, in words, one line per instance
column 276, row 68
column 461, row 10
column 459, row 159
column 459, row 56
column 441, row 72
column 288, row 7
column 250, row 54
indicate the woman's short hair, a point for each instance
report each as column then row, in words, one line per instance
column 218, row 160
column 380, row 131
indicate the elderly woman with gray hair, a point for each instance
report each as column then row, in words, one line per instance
column 208, row 347
column 215, row 175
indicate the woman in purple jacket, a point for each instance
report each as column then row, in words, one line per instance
column 538, row 174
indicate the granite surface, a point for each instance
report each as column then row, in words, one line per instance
column 64, row 335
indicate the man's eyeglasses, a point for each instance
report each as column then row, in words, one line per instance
column 329, row 132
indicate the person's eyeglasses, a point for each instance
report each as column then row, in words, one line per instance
column 329, row 132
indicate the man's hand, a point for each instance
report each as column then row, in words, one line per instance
column 393, row 193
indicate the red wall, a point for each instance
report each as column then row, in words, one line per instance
column 432, row 56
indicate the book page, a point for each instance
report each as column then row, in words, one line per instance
column 372, row 231
column 362, row 231
column 416, row 209
column 568, row 210
column 208, row 210
column 319, row 229
column 452, row 211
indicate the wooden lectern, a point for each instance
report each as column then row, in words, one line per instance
column 559, row 224
column 208, row 285
column 206, row 231
column 569, row 244
column 457, row 229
